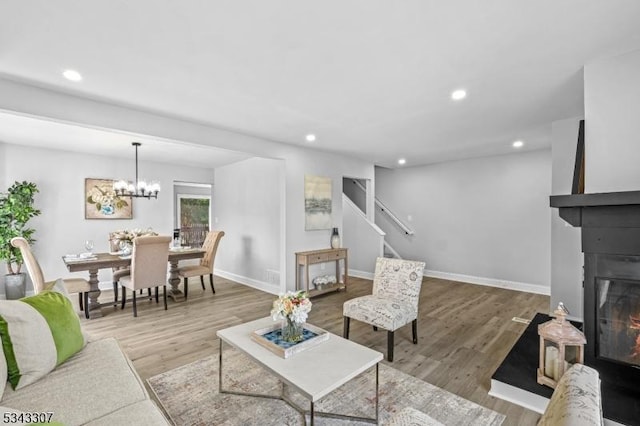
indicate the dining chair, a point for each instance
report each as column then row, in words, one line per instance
column 205, row 267
column 394, row 302
column 118, row 271
column 149, row 260
column 71, row 285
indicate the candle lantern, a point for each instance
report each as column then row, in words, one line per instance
column 561, row 345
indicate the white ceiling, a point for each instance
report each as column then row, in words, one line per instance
column 22, row 130
column 370, row 78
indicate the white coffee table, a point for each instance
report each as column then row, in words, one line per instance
column 314, row 372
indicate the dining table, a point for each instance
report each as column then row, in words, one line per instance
column 99, row 261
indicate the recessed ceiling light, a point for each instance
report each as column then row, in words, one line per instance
column 459, row 94
column 402, row 161
column 310, row 137
column 518, row 144
column 72, row 75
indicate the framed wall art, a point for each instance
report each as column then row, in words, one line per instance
column 101, row 202
column 317, row 203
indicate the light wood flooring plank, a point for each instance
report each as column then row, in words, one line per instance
column 464, row 331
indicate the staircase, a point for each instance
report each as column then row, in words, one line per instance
column 386, row 249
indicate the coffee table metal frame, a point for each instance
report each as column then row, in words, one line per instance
column 284, row 397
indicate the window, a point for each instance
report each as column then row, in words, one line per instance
column 194, row 216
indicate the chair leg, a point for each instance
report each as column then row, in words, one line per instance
column 80, row 297
column 149, row 293
column 345, row 329
column 202, row 281
column 390, row 346
column 375, row 328
column 414, row 330
column 115, row 292
column 186, row 288
column 124, row 296
column 156, row 294
column 135, row 307
column 85, row 295
column 211, row 282
column 164, row 296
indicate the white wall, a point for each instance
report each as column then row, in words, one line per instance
column 301, row 162
column 566, row 252
column 3, row 162
column 62, row 228
column 612, row 104
column 482, row 220
column 355, row 193
column 247, row 207
column 358, row 232
column 21, row 98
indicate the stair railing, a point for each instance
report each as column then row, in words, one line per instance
column 391, row 250
column 384, row 209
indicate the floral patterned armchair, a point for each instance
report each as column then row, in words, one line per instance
column 394, row 302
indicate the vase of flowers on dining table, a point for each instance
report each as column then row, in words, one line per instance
column 124, row 238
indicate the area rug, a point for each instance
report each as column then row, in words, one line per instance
column 189, row 395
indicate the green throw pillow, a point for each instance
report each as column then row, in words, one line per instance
column 38, row 333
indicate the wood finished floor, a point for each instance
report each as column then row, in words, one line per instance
column 464, row 332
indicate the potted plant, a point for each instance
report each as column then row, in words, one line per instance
column 16, row 209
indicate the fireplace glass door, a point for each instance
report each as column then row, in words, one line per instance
column 618, row 320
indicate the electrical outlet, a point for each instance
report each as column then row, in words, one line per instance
column 273, row 276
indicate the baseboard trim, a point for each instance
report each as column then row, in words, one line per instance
column 361, row 274
column 106, row 285
column 258, row 285
column 490, row 282
column 518, row 396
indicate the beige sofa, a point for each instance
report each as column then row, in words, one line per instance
column 97, row 386
column 576, row 401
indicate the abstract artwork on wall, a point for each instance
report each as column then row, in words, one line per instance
column 101, row 202
column 317, row 203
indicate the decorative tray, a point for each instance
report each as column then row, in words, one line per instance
column 271, row 338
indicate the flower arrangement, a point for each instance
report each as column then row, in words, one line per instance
column 294, row 306
column 323, row 280
column 127, row 236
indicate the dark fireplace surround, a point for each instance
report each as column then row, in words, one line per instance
column 610, row 228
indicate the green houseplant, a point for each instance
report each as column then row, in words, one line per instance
column 16, row 209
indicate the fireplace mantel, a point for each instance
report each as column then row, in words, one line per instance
column 610, row 221
column 596, row 199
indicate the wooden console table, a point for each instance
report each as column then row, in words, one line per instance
column 311, row 257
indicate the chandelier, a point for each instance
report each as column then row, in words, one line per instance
column 139, row 188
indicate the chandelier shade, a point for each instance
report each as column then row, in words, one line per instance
column 138, row 188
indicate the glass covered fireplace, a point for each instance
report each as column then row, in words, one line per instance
column 618, row 320
column 610, row 238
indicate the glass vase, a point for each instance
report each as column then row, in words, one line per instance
column 292, row 331
column 335, row 239
column 125, row 247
